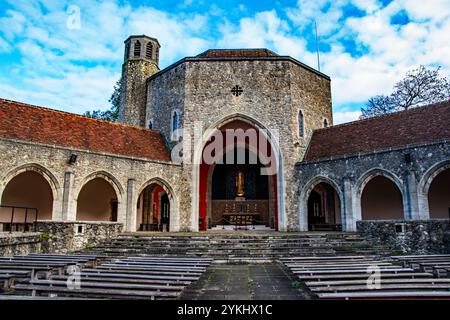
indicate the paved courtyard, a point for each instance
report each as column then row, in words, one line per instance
column 247, row 282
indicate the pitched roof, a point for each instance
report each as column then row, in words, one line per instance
column 415, row 126
column 37, row 124
column 229, row 53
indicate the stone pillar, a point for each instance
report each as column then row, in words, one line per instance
column 349, row 214
column 69, row 210
column 131, row 206
column 411, row 201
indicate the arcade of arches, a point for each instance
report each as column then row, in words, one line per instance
column 381, row 198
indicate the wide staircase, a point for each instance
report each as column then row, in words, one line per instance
column 240, row 247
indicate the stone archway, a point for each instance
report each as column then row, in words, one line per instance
column 201, row 172
column 99, row 198
column 31, row 186
column 379, row 196
column 433, row 190
column 329, row 210
column 157, row 207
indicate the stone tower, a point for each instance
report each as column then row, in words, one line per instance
column 140, row 62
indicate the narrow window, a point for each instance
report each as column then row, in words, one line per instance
column 325, row 123
column 301, row 127
column 149, row 51
column 127, row 51
column 175, row 125
column 137, row 49
column 157, row 55
column 150, row 124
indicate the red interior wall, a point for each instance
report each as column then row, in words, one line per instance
column 156, row 192
column 204, row 168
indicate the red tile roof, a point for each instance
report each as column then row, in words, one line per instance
column 30, row 123
column 415, row 126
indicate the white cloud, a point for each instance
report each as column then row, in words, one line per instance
column 345, row 116
column 78, row 68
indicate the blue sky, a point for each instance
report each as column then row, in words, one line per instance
column 48, row 58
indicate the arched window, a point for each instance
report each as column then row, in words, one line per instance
column 137, row 49
column 150, row 124
column 127, row 51
column 301, row 127
column 175, row 123
column 325, row 123
column 157, row 55
column 149, row 51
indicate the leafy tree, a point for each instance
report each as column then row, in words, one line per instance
column 112, row 114
column 420, row 86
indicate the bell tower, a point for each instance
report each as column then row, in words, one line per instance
column 141, row 60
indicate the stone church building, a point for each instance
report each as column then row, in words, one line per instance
column 69, row 167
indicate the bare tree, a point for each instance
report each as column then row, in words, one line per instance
column 419, row 87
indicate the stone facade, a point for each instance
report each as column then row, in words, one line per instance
column 19, row 243
column 198, row 90
column 66, row 237
column 349, row 174
column 128, row 176
column 410, row 237
column 274, row 91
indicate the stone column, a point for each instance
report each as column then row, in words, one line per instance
column 411, row 201
column 131, row 206
column 69, row 210
column 349, row 214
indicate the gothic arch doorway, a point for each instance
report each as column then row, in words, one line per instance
column 97, row 201
column 238, row 179
column 28, row 189
column 439, row 196
column 154, row 209
column 381, row 199
column 324, row 208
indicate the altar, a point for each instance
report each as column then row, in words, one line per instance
column 240, row 212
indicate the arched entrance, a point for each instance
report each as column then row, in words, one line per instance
column 153, row 209
column 324, row 208
column 439, row 196
column 381, row 199
column 238, row 179
column 28, row 189
column 97, row 201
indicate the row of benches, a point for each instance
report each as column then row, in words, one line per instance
column 142, row 277
column 36, row 266
column 364, row 277
column 438, row 264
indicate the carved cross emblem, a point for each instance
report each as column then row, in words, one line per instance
column 237, row 91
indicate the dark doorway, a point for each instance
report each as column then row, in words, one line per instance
column 165, row 213
column 324, row 209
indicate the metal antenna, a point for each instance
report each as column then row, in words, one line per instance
column 317, row 46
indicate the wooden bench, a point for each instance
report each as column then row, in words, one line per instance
column 149, row 269
column 383, row 295
column 34, row 271
column 96, row 292
column 382, row 281
column 385, row 287
column 123, row 279
column 326, row 258
column 139, row 275
column 344, row 266
column 320, row 277
column 352, row 271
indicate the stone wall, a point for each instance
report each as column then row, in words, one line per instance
column 65, row 237
column 410, row 237
column 127, row 175
column 19, row 243
column 349, row 174
column 273, row 92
